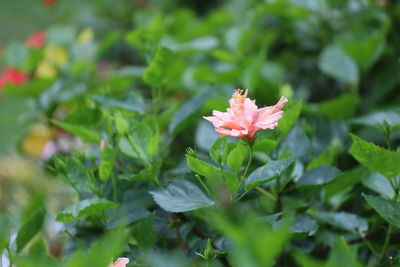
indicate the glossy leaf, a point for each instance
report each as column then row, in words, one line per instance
column 181, row 196
column 267, row 173
column 318, row 176
column 344, row 220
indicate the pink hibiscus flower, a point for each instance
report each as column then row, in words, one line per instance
column 36, row 40
column 120, row 262
column 243, row 119
column 13, row 76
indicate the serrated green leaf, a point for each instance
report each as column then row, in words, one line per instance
column 237, row 156
column 318, row 176
column 388, row 209
column 30, row 228
column 85, row 208
column 155, row 74
column 107, row 161
column 375, row 158
column 267, row 173
column 80, row 131
column 181, row 196
column 182, row 116
column 215, row 177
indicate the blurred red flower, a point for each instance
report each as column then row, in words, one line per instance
column 13, row 76
column 49, row 3
column 36, row 40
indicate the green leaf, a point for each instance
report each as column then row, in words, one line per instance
column 182, row 116
column 107, row 161
column 203, row 168
column 215, row 178
column 344, row 220
column 264, row 145
column 376, row 119
column 364, row 50
column 147, row 174
column 144, row 233
column 344, row 182
column 30, row 228
column 290, row 118
column 155, row 74
column 342, row 255
column 237, row 156
column 80, row 131
column 375, row 158
column 181, row 196
column 380, row 184
column 84, row 208
column 304, row 225
column 335, row 63
column 267, row 172
column 219, row 150
column 131, row 104
column 326, row 158
column 338, row 108
column 318, row 176
column 388, row 209
column 101, row 252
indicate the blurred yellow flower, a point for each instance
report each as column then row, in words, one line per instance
column 34, row 142
column 46, row 70
column 56, row 55
column 85, row 36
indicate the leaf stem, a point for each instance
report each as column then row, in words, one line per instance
column 266, row 193
column 248, row 165
column 204, row 185
column 387, row 241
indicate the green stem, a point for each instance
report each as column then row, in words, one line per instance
column 204, row 185
column 248, row 165
column 387, row 241
column 390, row 228
column 266, row 193
column 376, row 254
column 114, row 185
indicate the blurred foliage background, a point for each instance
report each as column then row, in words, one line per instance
column 100, row 101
